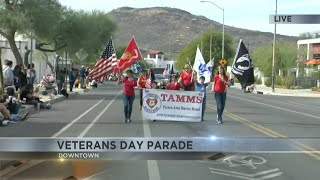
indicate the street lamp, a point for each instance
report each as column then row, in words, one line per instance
column 222, row 24
column 274, row 49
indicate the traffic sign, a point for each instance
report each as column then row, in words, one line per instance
column 82, row 54
column 223, row 61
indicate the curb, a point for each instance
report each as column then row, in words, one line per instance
column 29, row 109
column 15, row 165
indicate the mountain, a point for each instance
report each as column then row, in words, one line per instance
column 170, row 29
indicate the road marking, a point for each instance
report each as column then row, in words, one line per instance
column 302, row 147
column 20, row 169
column 288, row 103
column 85, row 131
column 280, row 108
column 77, row 119
column 247, row 175
column 153, row 169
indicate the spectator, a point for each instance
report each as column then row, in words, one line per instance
column 82, row 76
column 16, row 74
column 12, row 102
column 27, row 94
column 72, row 79
column 31, row 74
column 94, row 84
column 60, row 81
column 8, row 77
column 23, row 78
column 202, row 87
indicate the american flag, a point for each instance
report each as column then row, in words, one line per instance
column 166, row 73
column 148, row 84
column 104, row 65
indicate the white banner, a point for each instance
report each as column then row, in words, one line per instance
column 172, row 105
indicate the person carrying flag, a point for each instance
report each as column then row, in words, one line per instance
column 187, row 78
column 201, row 86
column 219, row 88
column 142, row 80
column 127, row 93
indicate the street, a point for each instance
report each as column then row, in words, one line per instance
column 99, row 113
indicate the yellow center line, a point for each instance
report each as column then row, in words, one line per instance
column 302, row 147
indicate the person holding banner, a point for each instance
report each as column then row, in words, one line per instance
column 142, row 84
column 127, row 93
column 174, row 84
column 221, row 81
column 187, row 78
column 202, row 87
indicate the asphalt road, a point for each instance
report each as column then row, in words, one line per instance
column 98, row 113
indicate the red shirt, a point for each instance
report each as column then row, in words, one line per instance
column 174, row 86
column 187, row 78
column 128, row 86
column 219, row 85
column 142, row 82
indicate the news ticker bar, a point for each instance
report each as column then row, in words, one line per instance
column 294, row 19
column 160, row 144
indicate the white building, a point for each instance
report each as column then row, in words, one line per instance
column 313, row 52
column 41, row 66
column 156, row 58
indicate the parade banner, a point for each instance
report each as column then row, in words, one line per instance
column 171, row 105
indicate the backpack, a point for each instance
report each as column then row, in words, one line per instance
column 12, row 106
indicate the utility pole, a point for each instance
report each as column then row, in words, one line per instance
column 1, row 75
column 274, row 49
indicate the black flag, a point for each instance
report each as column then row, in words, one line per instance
column 242, row 67
column 171, row 73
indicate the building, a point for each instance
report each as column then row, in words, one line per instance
column 157, row 59
column 312, row 47
column 39, row 61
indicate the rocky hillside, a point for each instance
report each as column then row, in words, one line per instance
column 170, row 29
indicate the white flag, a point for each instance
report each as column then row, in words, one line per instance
column 200, row 66
column 210, row 65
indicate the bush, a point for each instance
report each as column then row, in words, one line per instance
column 258, row 80
column 315, row 89
column 268, row 82
column 236, row 80
column 287, row 81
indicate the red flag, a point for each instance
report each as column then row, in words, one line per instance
column 130, row 55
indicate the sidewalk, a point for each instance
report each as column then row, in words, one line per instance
column 30, row 109
column 282, row 92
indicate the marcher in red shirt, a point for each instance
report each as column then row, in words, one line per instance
column 142, row 84
column 127, row 93
column 174, row 84
column 220, row 82
column 187, row 78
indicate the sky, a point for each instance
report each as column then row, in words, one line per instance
column 247, row 14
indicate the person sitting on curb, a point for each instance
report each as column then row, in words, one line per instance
column 94, row 84
column 4, row 115
column 13, row 104
column 27, row 94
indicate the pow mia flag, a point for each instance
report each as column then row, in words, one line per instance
column 242, row 67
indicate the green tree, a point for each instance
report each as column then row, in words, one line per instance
column 189, row 51
column 309, row 35
column 285, row 57
column 55, row 27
